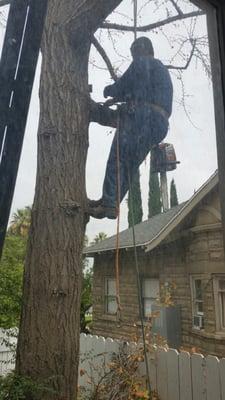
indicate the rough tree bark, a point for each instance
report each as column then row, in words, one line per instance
column 48, row 345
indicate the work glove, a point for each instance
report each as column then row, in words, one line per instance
column 107, row 90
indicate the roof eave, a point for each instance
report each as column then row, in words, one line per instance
column 179, row 217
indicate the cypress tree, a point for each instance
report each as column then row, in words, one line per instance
column 173, row 194
column 154, row 197
column 136, row 201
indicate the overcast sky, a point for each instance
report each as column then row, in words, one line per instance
column 194, row 140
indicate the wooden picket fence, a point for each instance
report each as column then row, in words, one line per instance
column 174, row 375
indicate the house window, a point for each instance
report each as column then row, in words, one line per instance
column 219, row 295
column 110, row 296
column 197, row 303
column 150, row 295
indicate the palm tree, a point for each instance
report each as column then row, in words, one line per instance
column 20, row 223
column 99, row 237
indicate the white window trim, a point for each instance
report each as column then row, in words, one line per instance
column 193, row 278
column 216, row 278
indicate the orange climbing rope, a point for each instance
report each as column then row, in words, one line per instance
column 134, row 239
column 118, row 217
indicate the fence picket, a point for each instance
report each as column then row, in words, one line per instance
column 185, row 376
column 108, row 342
column 173, row 374
column 222, row 378
column 82, row 361
column 98, row 359
column 198, row 377
column 162, row 374
column 7, row 361
column 212, row 378
column 152, row 369
column 87, row 354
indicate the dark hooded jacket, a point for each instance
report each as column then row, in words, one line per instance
column 146, row 80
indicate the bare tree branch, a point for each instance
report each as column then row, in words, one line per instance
column 145, row 28
column 4, row 2
column 106, row 59
column 177, row 8
column 188, row 61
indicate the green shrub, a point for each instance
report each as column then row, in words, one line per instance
column 16, row 387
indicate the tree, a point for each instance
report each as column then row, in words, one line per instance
column 20, row 223
column 154, row 196
column 11, row 276
column 173, row 194
column 134, row 201
column 48, row 344
column 53, row 268
column 99, row 238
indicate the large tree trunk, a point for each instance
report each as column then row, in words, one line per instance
column 48, row 345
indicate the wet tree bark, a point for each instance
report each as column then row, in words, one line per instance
column 48, row 345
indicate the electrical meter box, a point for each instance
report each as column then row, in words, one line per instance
column 167, row 323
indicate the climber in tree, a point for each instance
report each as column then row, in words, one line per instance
column 147, row 91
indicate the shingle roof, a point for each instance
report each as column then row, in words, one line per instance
column 152, row 231
column 144, row 232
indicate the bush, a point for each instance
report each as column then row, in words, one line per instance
column 16, row 387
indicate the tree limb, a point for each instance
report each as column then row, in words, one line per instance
column 4, row 2
column 188, row 61
column 149, row 27
column 103, row 115
column 106, row 59
column 84, row 19
column 177, row 8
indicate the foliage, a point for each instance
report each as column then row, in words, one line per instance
column 154, row 196
column 11, row 275
column 15, row 387
column 86, row 299
column 167, row 294
column 123, row 378
column 99, row 238
column 134, row 200
column 21, row 221
column 173, row 194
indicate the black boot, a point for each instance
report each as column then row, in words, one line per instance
column 101, row 211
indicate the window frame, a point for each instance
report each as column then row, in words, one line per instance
column 194, row 301
column 108, row 296
column 217, row 302
column 143, row 298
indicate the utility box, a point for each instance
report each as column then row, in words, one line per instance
column 167, row 323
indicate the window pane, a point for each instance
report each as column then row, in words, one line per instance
column 222, row 285
column 198, row 289
column 199, row 307
column 148, row 307
column 111, row 287
column 112, row 305
column 150, row 288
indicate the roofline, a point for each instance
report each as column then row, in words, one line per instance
column 188, row 207
column 184, row 211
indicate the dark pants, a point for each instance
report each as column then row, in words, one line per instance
column 137, row 133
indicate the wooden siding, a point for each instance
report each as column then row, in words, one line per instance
column 197, row 252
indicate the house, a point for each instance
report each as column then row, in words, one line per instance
column 181, row 249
